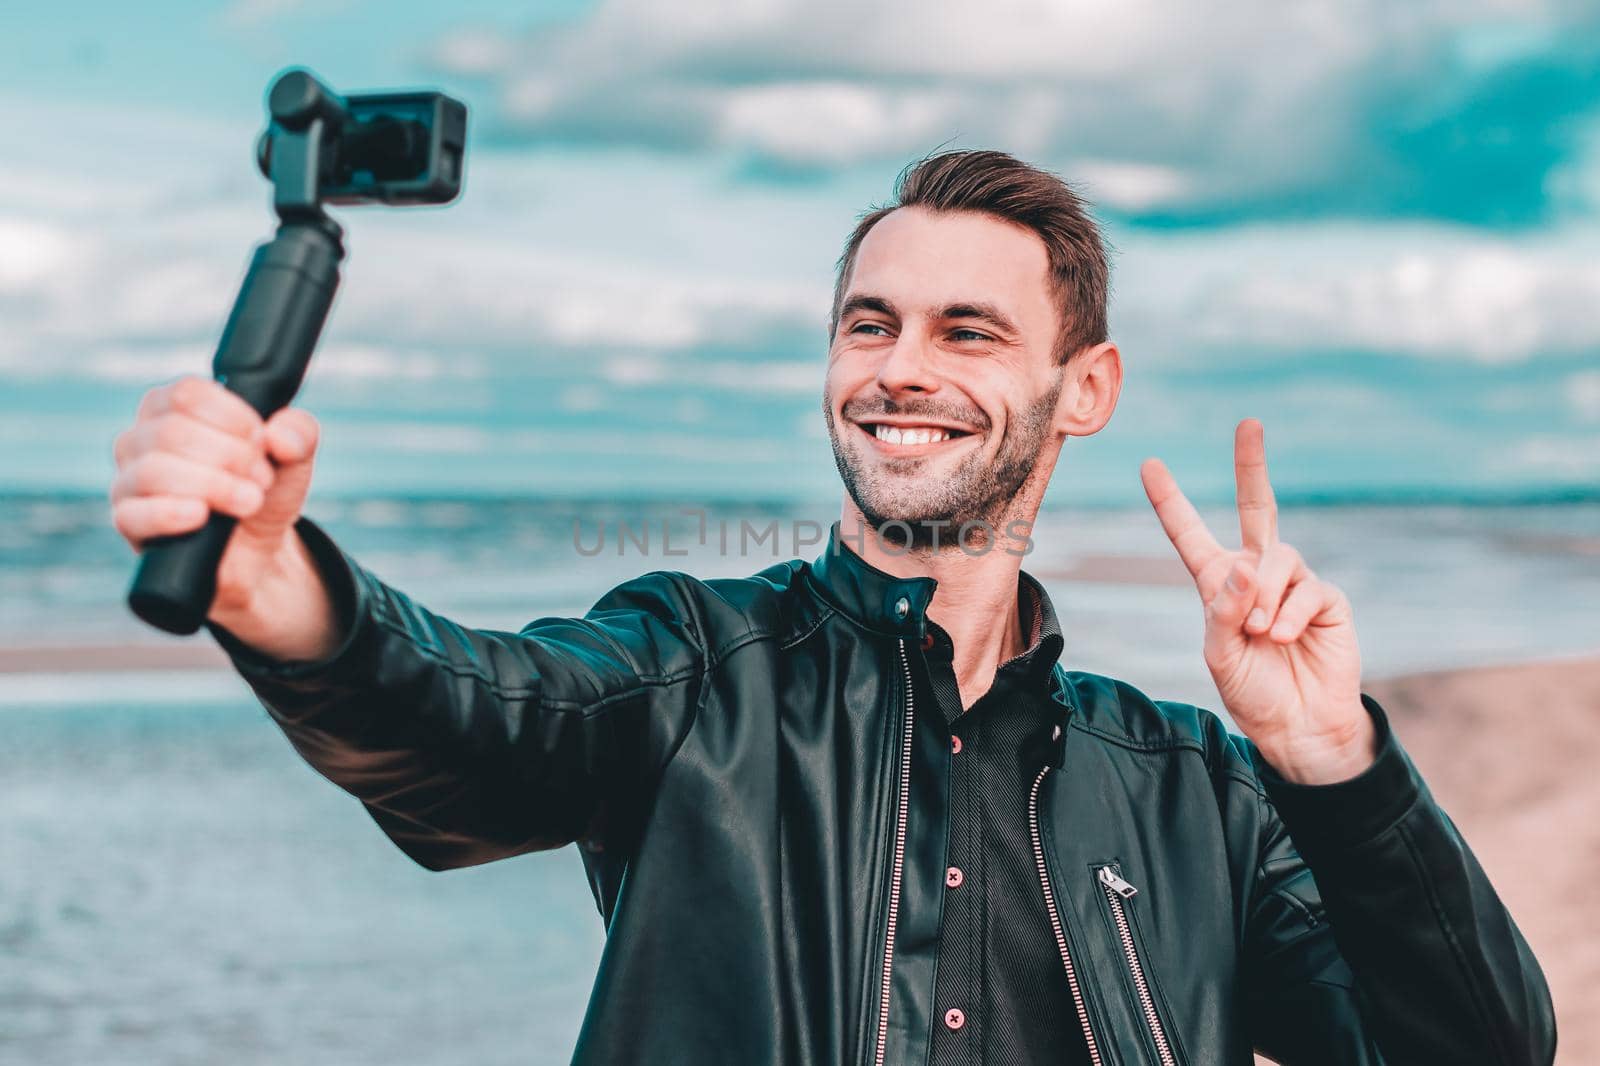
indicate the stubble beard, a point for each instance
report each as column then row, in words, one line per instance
column 927, row 513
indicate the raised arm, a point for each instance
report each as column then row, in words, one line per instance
column 465, row 745
column 1373, row 929
column 468, row 745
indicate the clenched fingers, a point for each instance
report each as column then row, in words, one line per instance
column 206, row 401
column 142, row 518
column 1310, row 602
column 164, row 474
column 1279, row 567
column 189, row 438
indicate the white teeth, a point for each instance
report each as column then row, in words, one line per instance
column 896, row 435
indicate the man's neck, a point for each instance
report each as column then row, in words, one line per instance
column 975, row 603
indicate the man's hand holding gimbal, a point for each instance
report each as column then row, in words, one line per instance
column 195, row 447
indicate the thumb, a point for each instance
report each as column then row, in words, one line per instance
column 1228, row 609
column 291, row 445
column 1224, row 618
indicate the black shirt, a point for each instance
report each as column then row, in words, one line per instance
column 1001, row 993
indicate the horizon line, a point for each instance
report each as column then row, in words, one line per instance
column 1403, row 496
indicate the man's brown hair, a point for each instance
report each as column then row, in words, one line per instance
column 1001, row 185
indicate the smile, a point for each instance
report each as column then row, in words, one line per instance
column 913, row 439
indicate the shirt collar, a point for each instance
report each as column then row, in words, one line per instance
column 1044, row 639
column 898, row 606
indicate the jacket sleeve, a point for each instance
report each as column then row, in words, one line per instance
column 1374, row 935
column 468, row 745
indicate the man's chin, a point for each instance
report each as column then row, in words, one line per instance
column 921, row 526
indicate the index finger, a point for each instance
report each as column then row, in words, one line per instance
column 1183, row 524
column 206, row 401
column 1258, row 509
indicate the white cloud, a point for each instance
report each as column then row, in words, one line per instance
column 1130, row 186
column 252, row 15
column 339, row 363
column 120, row 280
column 551, row 255
column 1165, row 104
column 376, row 363
column 414, row 438
column 139, row 366
column 1553, row 456
column 582, row 399
column 460, row 438
column 1432, row 292
column 644, row 371
column 1582, row 391
column 798, row 378
column 832, row 122
column 31, row 252
column 249, row 13
column 474, row 53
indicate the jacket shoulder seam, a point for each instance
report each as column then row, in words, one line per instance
column 1248, row 781
column 796, row 640
column 1122, row 740
column 451, row 666
column 733, row 644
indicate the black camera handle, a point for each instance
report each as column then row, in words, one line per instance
column 271, row 333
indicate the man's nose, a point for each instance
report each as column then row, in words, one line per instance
column 908, row 366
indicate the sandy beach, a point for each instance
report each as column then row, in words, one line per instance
column 1510, row 751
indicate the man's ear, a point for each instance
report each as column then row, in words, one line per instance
column 1094, row 381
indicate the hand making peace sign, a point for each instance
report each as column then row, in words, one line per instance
column 1279, row 641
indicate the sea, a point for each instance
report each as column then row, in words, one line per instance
column 178, row 887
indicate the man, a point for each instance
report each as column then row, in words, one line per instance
column 855, row 811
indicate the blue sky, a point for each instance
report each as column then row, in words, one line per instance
column 1374, row 226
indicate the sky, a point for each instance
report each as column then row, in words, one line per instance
column 1374, row 226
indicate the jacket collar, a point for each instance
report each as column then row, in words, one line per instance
column 883, row 603
column 898, row 606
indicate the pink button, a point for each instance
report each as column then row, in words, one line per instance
column 953, row 877
column 955, row 745
column 954, row 1019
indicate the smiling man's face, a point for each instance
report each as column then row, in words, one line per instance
column 942, row 378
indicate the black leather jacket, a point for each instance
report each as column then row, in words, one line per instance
column 737, row 758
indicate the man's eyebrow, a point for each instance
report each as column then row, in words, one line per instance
column 983, row 312
column 976, row 309
column 864, row 302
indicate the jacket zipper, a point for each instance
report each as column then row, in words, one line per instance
column 1117, row 891
column 899, row 864
column 1055, row 920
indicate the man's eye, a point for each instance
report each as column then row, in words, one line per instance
column 859, row 326
column 968, row 335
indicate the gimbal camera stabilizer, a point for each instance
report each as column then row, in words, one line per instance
column 400, row 149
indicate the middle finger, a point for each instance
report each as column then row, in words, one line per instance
column 190, row 439
column 1258, row 509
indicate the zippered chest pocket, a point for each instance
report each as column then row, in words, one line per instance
column 1118, row 894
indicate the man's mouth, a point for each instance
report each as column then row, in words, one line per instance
column 911, row 438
